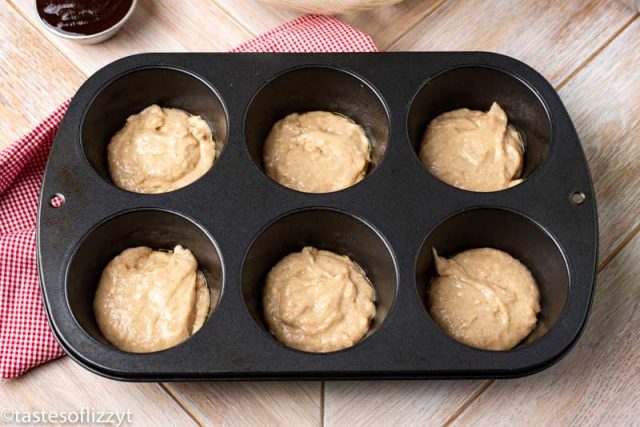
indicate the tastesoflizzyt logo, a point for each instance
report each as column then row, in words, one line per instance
column 82, row 416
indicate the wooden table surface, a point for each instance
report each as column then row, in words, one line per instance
column 588, row 49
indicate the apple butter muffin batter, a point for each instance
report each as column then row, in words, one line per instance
column 151, row 300
column 473, row 150
column 160, row 150
column 318, row 301
column 484, row 298
column 316, row 152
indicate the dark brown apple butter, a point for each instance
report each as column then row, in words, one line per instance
column 84, row 17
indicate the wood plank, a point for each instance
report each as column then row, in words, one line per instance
column 156, row 26
column 259, row 17
column 62, row 385
column 597, row 383
column 388, row 24
column 552, row 36
column 256, row 16
column 397, row 403
column 603, row 102
column 34, row 81
column 258, row 404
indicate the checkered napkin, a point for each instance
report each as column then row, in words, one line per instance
column 25, row 338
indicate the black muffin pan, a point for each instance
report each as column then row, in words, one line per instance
column 239, row 223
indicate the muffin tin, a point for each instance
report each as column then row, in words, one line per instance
column 239, row 223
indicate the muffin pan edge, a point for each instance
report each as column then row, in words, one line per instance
column 403, row 203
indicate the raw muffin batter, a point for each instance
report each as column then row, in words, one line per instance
column 473, row 150
column 151, row 300
column 316, row 152
column 484, row 298
column 318, row 301
column 160, row 150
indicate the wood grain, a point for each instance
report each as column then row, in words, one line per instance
column 603, row 102
column 597, row 383
column 387, row 24
column 62, row 385
column 258, row 404
column 258, row 17
column 394, row 403
column 156, row 26
column 33, row 81
column 552, row 36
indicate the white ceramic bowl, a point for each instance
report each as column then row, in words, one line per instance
column 97, row 37
column 329, row 7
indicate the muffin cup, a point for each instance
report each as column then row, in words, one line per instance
column 134, row 91
column 484, row 86
column 157, row 229
column 331, row 89
column 322, row 229
column 509, row 232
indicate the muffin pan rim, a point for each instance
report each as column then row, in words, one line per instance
column 168, row 201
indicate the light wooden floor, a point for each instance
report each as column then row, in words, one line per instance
column 590, row 51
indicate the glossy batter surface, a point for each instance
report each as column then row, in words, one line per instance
column 316, row 152
column 83, row 16
column 484, row 298
column 160, row 150
column 151, row 300
column 318, row 301
column 473, row 150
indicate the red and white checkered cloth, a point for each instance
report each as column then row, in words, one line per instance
column 25, row 338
